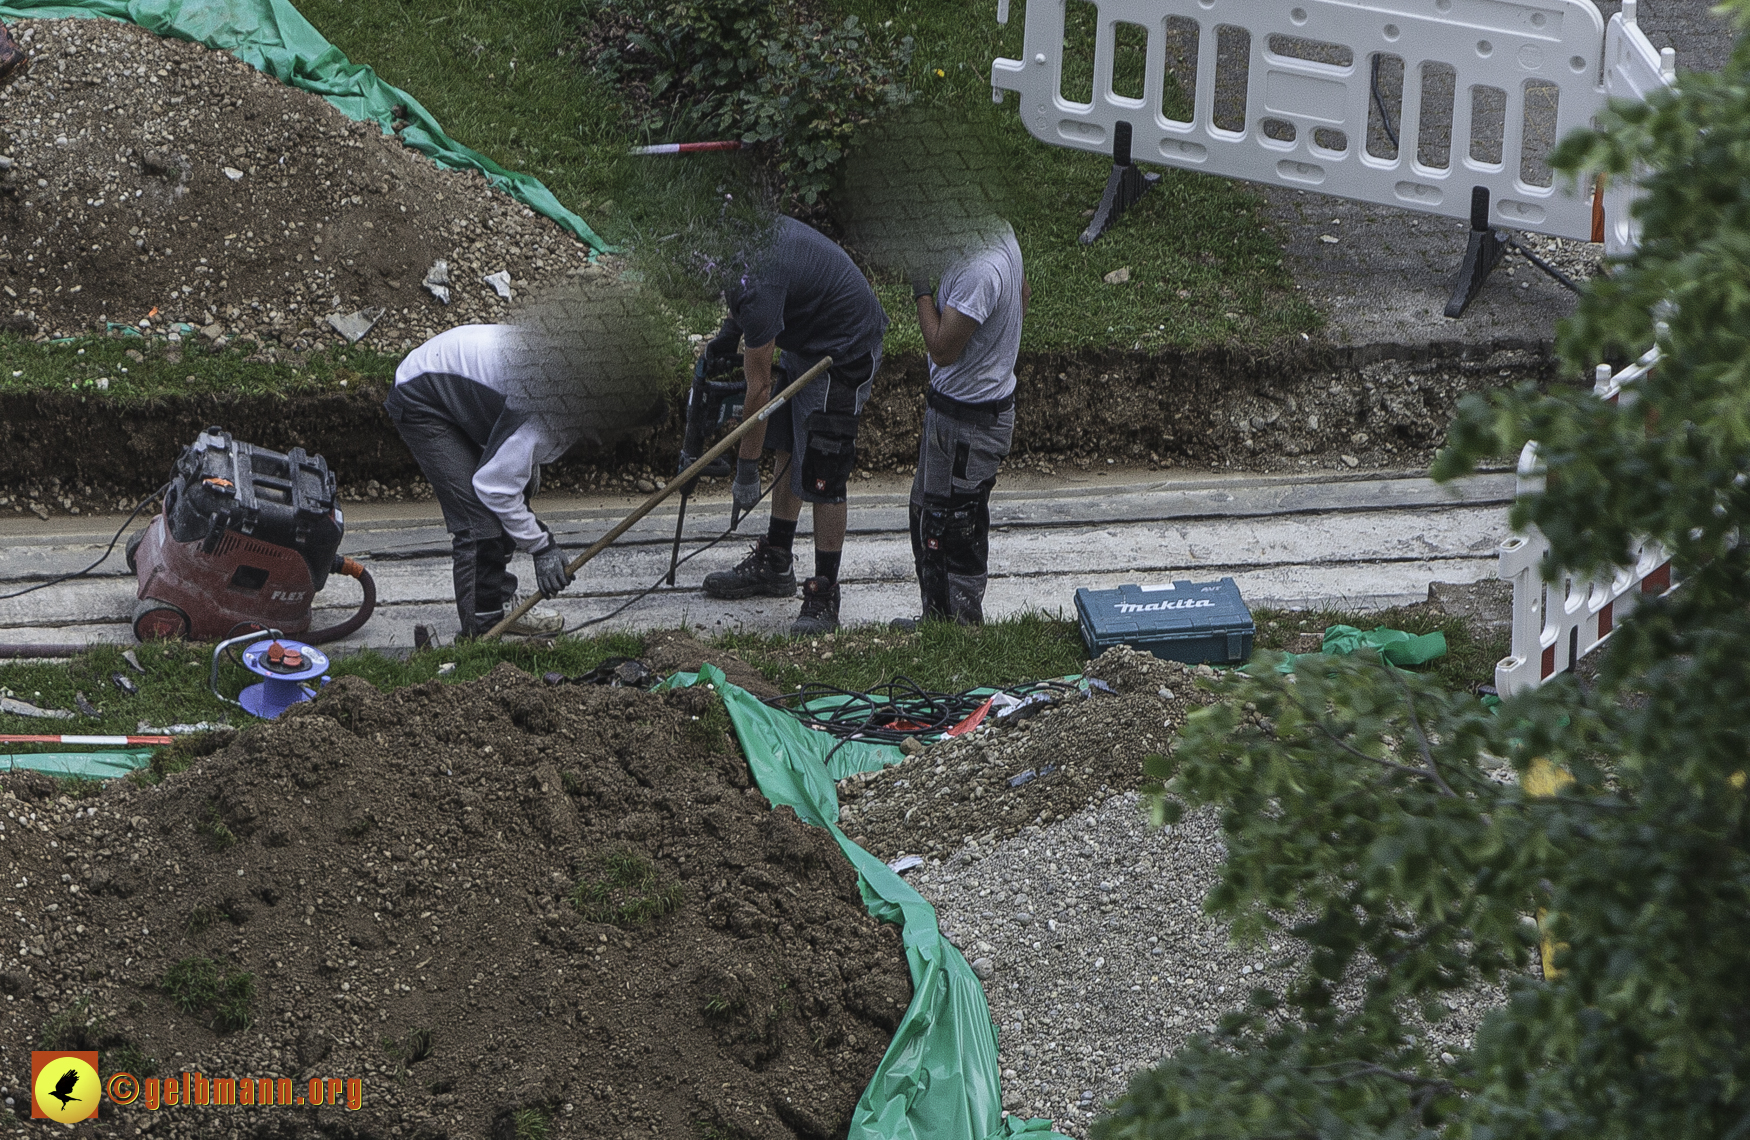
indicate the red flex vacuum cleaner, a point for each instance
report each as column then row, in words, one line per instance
column 246, row 539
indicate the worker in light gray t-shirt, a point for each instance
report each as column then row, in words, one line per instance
column 972, row 330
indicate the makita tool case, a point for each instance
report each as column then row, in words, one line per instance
column 1193, row 622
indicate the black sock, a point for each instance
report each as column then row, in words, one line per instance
column 826, row 564
column 781, row 534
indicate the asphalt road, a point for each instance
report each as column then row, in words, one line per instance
column 1357, row 541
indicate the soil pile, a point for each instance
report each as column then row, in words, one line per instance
column 975, row 791
column 502, row 906
column 152, row 179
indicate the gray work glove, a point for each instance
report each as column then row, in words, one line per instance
column 920, row 284
column 746, row 488
column 550, row 572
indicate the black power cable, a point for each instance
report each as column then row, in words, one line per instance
column 658, row 584
column 1561, row 278
column 107, row 551
column 1379, row 101
column 901, row 708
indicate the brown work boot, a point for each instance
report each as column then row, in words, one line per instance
column 13, row 60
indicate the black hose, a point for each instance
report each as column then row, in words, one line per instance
column 352, row 624
column 42, row 650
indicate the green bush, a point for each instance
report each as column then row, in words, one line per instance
column 761, row 71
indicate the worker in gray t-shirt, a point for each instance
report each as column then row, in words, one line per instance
column 803, row 295
column 972, row 330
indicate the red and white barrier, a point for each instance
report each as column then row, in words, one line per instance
column 1556, row 624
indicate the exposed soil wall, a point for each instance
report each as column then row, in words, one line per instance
column 1312, row 407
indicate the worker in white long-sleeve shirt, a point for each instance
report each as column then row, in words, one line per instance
column 474, row 409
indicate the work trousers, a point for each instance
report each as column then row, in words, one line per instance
column 481, row 551
column 958, row 458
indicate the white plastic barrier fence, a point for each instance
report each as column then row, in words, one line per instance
column 1472, row 78
column 1633, row 69
column 1555, row 624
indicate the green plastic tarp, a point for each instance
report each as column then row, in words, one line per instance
column 84, row 765
column 273, row 36
column 1396, row 646
column 939, row 1078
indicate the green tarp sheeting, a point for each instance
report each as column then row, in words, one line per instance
column 1396, row 646
column 939, row 1079
column 84, row 765
column 273, row 36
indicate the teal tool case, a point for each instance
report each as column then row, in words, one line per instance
column 1193, row 622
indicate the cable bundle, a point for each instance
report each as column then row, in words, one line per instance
column 901, row 708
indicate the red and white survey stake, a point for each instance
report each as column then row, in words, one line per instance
column 687, row 148
column 4, row 739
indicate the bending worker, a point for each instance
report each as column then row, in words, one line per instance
column 972, row 331
column 804, row 295
column 471, row 407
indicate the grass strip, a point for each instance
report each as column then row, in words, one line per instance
column 940, row 656
column 135, row 369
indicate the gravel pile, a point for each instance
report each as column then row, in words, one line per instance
column 1098, row 960
column 1016, row 775
column 1096, row 956
column 152, row 182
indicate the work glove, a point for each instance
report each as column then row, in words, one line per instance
column 550, row 572
column 745, row 491
column 920, row 284
column 719, row 349
column 746, row 488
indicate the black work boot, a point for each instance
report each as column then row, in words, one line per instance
column 764, row 573
column 820, row 608
column 13, row 60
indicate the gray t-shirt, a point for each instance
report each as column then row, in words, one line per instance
column 806, row 294
column 986, row 286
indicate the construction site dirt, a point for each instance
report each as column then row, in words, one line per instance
column 493, row 905
column 1304, row 409
column 154, row 180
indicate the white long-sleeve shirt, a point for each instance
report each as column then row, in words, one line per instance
column 480, row 378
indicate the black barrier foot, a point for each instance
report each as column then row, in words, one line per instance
column 1481, row 255
column 1124, row 186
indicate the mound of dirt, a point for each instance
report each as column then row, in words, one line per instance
column 961, row 792
column 677, row 651
column 508, row 909
column 153, row 175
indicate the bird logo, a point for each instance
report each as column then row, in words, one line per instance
column 64, row 1086
column 63, row 1090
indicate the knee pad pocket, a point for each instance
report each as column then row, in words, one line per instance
column 950, row 534
column 829, row 456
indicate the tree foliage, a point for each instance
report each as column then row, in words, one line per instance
column 1373, row 816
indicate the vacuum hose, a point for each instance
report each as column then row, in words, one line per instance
column 42, row 650
column 350, row 626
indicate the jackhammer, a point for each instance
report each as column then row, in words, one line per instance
column 714, row 402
